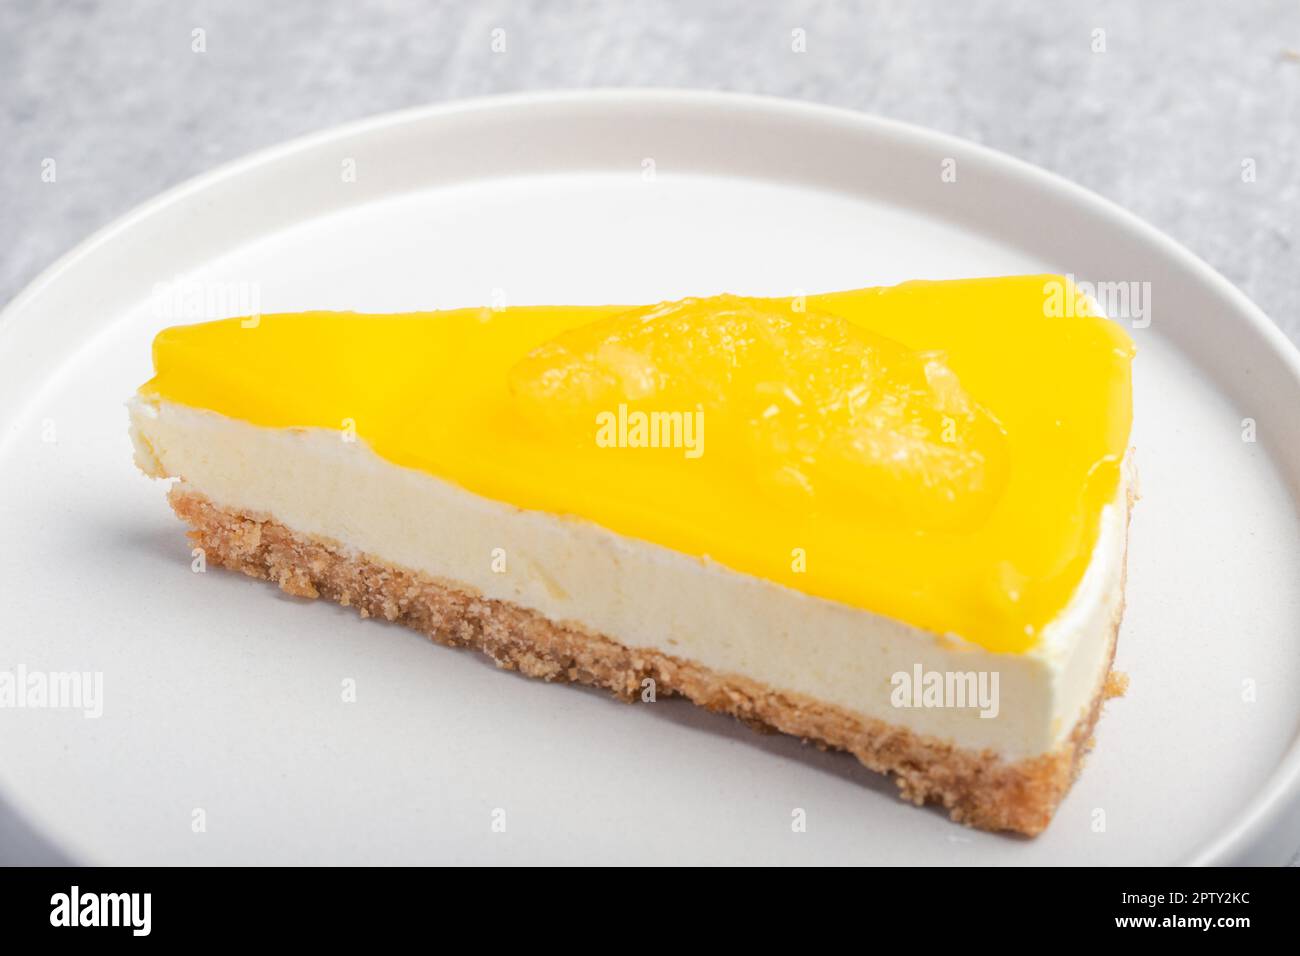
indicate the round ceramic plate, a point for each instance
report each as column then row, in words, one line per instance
column 223, row 735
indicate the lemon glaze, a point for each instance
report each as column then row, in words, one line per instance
column 935, row 452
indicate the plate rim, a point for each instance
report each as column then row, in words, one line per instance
column 1274, row 811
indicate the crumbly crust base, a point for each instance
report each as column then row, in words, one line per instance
column 978, row 789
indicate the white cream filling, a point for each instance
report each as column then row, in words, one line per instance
column 641, row 594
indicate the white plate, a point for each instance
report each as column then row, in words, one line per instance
column 222, row 695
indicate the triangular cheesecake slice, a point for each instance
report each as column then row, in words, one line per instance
column 891, row 521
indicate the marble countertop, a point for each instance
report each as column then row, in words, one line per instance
column 1184, row 98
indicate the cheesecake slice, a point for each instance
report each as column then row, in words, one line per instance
column 891, row 521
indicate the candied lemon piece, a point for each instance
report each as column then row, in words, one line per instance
column 812, row 404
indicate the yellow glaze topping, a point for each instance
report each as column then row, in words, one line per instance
column 936, row 452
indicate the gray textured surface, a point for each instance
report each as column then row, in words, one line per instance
column 1160, row 122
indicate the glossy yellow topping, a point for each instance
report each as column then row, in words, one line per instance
column 936, row 452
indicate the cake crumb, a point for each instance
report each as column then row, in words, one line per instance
column 977, row 788
column 1116, row 685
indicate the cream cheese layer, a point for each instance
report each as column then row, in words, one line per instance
column 642, row 594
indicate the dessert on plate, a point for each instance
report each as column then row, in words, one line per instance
column 891, row 521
